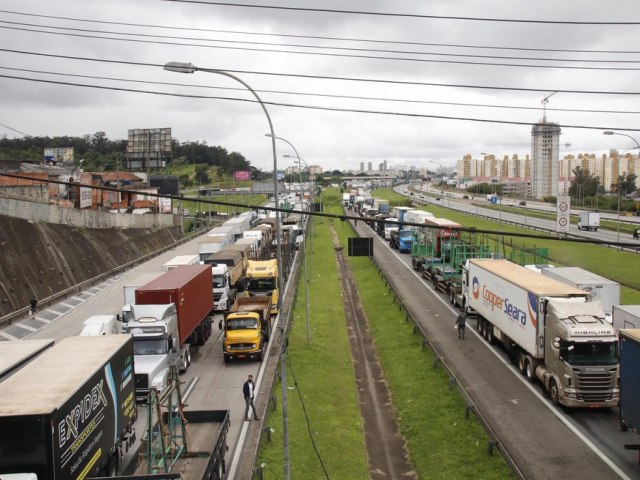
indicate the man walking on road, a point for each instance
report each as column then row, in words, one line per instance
column 248, row 389
column 33, row 304
column 461, row 320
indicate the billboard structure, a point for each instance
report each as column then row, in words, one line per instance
column 152, row 144
column 242, row 175
column 54, row 156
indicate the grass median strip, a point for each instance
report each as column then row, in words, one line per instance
column 441, row 442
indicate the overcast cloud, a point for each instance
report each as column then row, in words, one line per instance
column 334, row 140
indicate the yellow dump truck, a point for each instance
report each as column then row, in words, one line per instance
column 247, row 328
column 262, row 281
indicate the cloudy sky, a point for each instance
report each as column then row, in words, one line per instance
column 396, row 80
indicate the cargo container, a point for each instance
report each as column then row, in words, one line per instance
column 211, row 244
column 626, row 316
column 71, row 411
column 16, row 354
column 629, row 411
column 599, row 288
column 180, row 260
column 549, row 328
column 171, row 314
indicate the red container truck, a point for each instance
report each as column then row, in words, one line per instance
column 190, row 289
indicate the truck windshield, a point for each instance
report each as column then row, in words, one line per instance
column 242, row 324
column 261, row 284
column 590, row 353
column 149, row 347
column 406, row 234
column 218, row 281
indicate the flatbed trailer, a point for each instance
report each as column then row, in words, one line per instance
column 206, row 447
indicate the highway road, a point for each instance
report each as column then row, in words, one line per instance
column 546, row 441
column 523, row 219
column 209, row 382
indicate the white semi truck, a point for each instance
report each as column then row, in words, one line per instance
column 549, row 328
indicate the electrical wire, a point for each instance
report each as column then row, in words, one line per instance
column 321, row 95
column 306, row 416
column 94, row 33
column 327, row 77
column 328, row 109
column 317, row 37
column 402, row 15
column 334, row 55
column 13, row 129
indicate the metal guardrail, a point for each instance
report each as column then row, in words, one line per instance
column 494, row 440
column 74, row 290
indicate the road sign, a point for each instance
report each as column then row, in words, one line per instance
column 563, row 210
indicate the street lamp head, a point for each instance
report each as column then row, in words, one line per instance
column 180, row 67
column 608, row 132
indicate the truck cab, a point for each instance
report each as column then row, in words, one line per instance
column 223, row 294
column 156, row 346
column 402, row 240
column 262, row 280
column 580, row 355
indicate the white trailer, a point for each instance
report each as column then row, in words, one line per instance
column 180, row 260
column 211, row 244
column 418, row 216
column 626, row 316
column 550, row 329
column 129, row 291
column 599, row 288
column 16, row 354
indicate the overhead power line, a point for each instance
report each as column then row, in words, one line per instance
column 168, row 39
column 311, row 107
column 318, row 37
column 344, row 55
column 321, row 95
column 404, row 15
column 327, row 77
column 13, row 129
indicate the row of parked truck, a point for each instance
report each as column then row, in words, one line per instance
column 563, row 326
column 80, row 421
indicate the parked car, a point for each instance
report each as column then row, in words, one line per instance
column 522, row 203
column 466, row 197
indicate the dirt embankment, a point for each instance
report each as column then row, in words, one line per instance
column 42, row 259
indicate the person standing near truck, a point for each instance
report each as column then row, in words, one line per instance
column 635, row 234
column 248, row 390
column 461, row 321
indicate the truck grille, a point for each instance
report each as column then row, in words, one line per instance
column 241, row 346
column 217, row 296
column 142, row 381
column 594, row 384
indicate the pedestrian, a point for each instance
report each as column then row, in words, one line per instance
column 635, row 234
column 249, row 389
column 461, row 321
column 34, row 305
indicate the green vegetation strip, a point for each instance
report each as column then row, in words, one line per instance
column 622, row 267
column 442, row 443
column 323, row 376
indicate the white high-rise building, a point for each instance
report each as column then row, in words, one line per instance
column 545, row 153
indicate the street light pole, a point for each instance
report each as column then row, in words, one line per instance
column 611, row 132
column 190, row 68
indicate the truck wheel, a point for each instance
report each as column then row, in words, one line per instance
column 226, row 359
column 219, row 469
column 521, row 362
column 554, row 393
column 261, row 355
column 111, row 469
column 528, row 370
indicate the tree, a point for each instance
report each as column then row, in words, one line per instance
column 202, row 173
column 584, row 184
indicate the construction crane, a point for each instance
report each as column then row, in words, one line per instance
column 544, row 102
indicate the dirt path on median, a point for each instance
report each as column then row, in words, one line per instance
column 386, row 448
